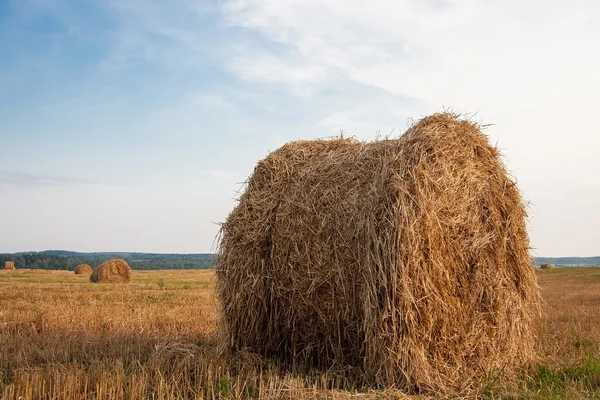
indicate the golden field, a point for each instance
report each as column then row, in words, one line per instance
column 62, row 337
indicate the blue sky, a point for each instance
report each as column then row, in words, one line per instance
column 128, row 125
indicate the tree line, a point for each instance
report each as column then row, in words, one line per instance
column 588, row 261
column 68, row 260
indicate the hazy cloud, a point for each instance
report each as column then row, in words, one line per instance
column 15, row 178
column 221, row 174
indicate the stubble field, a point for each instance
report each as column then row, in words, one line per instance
column 62, row 337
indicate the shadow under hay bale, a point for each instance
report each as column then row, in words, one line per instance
column 407, row 258
column 9, row 265
column 112, row 271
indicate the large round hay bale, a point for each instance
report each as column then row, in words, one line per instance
column 407, row 258
column 546, row 266
column 83, row 269
column 9, row 265
column 112, row 271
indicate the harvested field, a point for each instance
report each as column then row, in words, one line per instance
column 63, row 337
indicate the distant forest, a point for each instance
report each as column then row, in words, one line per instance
column 68, row 260
column 569, row 261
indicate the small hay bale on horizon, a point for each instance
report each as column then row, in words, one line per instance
column 115, row 270
column 546, row 266
column 9, row 265
column 405, row 258
column 83, row 269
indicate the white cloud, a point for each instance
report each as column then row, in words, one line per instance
column 527, row 67
column 449, row 53
column 300, row 76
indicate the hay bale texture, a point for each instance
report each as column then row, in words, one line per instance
column 407, row 258
column 83, row 269
column 545, row 266
column 112, row 271
column 9, row 265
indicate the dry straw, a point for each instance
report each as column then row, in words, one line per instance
column 407, row 258
column 545, row 266
column 112, row 271
column 83, row 269
column 9, row 265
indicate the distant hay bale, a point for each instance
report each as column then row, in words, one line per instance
column 83, row 269
column 112, row 271
column 407, row 258
column 9, row 265
column 545, row 266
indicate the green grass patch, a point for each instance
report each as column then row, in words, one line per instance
column 580, row 380
column 587, row 374
column 574, row 381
